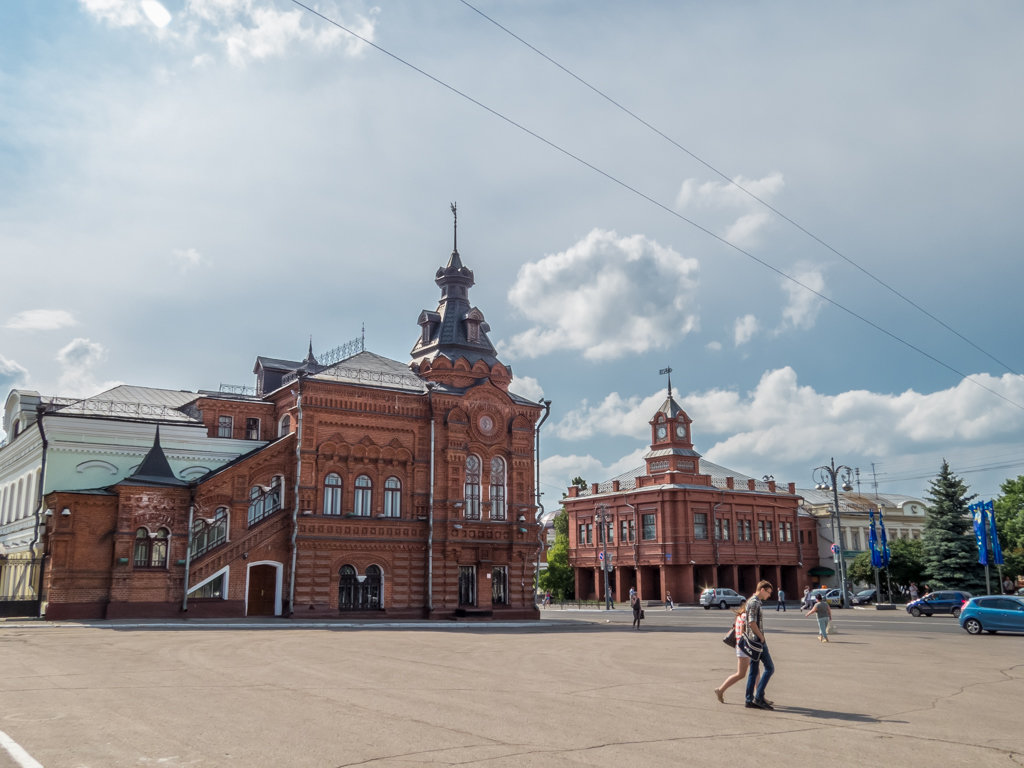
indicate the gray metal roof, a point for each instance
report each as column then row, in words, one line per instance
column 126, row 401
column 373, row 370
column 718, row 473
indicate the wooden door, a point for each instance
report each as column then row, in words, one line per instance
column 262, row 590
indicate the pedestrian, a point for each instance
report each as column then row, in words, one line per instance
column 756, row 647
column 913, row 590
column 807, row 598
column 823, row 612
column 742, row 660
column 669, row 606
column 638, row 611
column 782, row 601
column 1007, row 586
column 547, row 598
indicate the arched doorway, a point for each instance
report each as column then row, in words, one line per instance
column 360, row 593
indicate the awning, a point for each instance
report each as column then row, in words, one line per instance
column 820, row 570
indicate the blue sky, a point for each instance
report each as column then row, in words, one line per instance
column 187, row 185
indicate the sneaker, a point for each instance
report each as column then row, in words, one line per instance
column 763, row 704
column 752, row 705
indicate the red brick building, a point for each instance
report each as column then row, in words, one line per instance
column 399, row 489
column 680, row 524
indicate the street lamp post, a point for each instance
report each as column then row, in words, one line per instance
column 827, row 478
column 603, row 516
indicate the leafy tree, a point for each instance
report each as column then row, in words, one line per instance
column 950, row 552
column 906, row 564
column 559, row 577
column 1010, row 524
column 579, row 482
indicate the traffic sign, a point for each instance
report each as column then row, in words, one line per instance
column 600, row 555
column 835, row 549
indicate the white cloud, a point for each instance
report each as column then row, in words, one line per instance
column 156, row 13
column 605, row 296
column 744, row 329
column 11, row 374
column 77, row 360
column 248, row 30
column 802, row 308
column 40, row 320
column 783, row 427
column 560, row 470
column 739, row 218
column 187, row 259
column 528, row 387
column 714, row 346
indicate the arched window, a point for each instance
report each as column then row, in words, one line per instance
column 472, row 487
column 151, row 549
column 498, row 507
column 284, row 426
column 264, row 501
column 209, row 533
column 347, row 584
column 332, row 494
column 363, row 497
column 372, row 588
column 392, row 497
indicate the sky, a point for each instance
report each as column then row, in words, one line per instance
column 810, row 212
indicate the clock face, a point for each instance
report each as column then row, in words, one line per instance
column 486, row 424
column 681, row 430
column 662, row 432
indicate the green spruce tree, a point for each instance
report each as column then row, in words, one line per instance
column 950, row 551
column 559, row 576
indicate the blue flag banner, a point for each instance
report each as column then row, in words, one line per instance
column 876, row 556
column 980, row 535
column 884, row 549
column 997, row 551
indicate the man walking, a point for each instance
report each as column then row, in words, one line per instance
column 782, row 601
column 757, row 648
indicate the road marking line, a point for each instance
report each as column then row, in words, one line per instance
column 21, row 757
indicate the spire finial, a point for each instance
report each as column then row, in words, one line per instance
column 455, row 228
column 667, row 372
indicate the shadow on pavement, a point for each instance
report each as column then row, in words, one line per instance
column 827, row 714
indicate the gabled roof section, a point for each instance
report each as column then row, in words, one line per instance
column 670, row 408
column 373, row 370
column 130, row 402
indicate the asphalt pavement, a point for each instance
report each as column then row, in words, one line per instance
column 577, row 688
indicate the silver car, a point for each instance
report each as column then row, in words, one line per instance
column 723, row 598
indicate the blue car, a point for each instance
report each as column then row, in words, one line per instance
column 993, row 613
column 942, row 601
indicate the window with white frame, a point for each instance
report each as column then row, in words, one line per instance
column 225, row 425
column 332, row 494
column 209, row 533
column 700, row 525
column 265, row 501
column 392, row 497
column 284, row 426
column 151, row 548
column 650, row 531
column 252, row 429
column 363, row 500
column 472, row 487
column 498, row 509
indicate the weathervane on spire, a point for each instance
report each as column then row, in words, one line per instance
column 455, row 229
column 668, row 372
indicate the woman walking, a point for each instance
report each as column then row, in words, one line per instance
column 823, row 613
column 638, row 611
column 742, row 660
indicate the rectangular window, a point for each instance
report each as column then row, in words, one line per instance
column 611, row 532
column 632, row 530
column 789, row 531
column 590, row 534
column 224, row 426
column 581, row 537
column 743, row 530
column 624, row 531
column 252, row 429
column 760, row 530
column 650, row 531
column 700, row 525
column 782, row 531
column 499, row 585
column 767, row 530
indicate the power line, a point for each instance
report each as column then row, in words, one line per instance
column 654, row 202
column 736, row 184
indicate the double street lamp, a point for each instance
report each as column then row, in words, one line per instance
column 602, row 516
column 828, row 478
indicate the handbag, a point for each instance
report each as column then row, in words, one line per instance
column 753, row 648
column 730, row 637
column 641, row 613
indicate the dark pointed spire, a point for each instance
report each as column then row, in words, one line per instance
column 310, row 359
column 155, row 468
column 455, row 229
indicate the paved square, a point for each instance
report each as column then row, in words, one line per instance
column 581, row 689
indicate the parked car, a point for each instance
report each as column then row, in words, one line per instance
column 943, row 601
column 830, row 595
column 993, row 613
column 723, row 598
column 865, row 597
